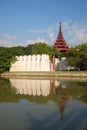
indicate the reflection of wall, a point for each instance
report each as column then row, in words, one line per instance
column 31, row 63
column 57, row 83
column 31, row 87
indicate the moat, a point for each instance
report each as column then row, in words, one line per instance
column 43, row 104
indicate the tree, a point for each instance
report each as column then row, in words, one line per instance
column 5, row 60
column 17, row 51
column 41, row 48
column 28, row 49
column 77, row 56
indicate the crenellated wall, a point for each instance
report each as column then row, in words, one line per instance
column 31, row 63
column 38, row 63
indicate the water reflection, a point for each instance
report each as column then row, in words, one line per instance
column 62, row 102
column 43, row 104
column 31, row 87
column 41, row 87
column 36, row 87
column 52, row 89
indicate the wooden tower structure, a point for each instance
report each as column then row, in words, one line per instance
column 60, row 43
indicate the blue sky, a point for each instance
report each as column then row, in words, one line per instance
column 23, row 22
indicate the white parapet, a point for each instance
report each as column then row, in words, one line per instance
column 29, row 57
column 25, row 58
column 31, row 63
column 38, row 57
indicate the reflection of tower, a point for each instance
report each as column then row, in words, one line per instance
column 55, row 85
column 62, row 103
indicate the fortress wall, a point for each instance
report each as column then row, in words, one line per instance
column 61, row 64
column 31, row 63
column 38, row 63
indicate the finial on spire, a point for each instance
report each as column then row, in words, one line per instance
column 60, row 27
column 60, row 22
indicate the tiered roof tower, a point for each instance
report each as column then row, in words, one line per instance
column 60, row 43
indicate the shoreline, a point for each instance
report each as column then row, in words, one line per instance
column 59, row 74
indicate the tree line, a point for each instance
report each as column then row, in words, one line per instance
column 76, row 56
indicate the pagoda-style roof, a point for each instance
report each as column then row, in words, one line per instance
column 60, row 42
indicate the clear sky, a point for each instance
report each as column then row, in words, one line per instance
column 27, row 21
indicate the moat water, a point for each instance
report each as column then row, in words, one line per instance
column 42, row 104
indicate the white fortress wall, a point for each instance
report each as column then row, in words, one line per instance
column 31, row 63
column 38, row 63
column 61, row 64
column 28, row 64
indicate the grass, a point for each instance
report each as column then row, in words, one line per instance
column 73, row 72
column 52, row 72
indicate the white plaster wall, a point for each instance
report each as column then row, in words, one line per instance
column 31, row 63
column 38, row 63
column 61, row 64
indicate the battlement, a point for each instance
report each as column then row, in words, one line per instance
column 31, row 63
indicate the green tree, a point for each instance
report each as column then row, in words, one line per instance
column 77, row 56
column 41, row 48
column 5, row 59
column 28, row 49
column 17, row 51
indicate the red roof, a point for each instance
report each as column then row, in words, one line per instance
column 60, row 43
